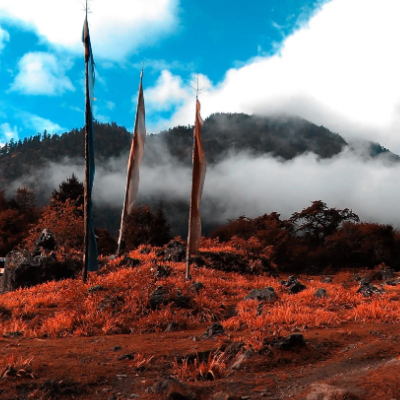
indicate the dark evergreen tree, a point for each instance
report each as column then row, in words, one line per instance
column 144, row 227
column 71, row 189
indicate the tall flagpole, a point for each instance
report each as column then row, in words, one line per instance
column 134, row 160
column 189, row 239
column 86, row 193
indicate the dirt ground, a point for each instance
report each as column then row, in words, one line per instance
column 351, row 361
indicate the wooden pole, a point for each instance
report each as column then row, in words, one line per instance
column 187, row 274
column 86, row 186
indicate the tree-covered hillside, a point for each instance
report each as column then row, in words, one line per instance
column 282, row 137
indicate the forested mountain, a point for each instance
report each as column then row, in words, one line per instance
column 282, row 137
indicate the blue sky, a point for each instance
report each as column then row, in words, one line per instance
column 332, row 62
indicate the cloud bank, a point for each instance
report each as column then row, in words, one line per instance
column 242, row 184
column 118, row 28
column 340, row 70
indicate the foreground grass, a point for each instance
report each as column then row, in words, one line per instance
column 69, row 308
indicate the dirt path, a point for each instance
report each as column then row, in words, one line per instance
column 352, row 357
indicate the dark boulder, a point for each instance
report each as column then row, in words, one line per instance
column 290, row 342
column 213, row 330
column 159, row 298
column 293, row 285
column 366, row 280
column 386, row 273
column 197, row 286
column 46, row 241
column 23, row 269
column 320, row 293
column 267, row 294
column 163, row 272
column 181, row 301
column 393, row 282
column 367, row 290
column 174, row 252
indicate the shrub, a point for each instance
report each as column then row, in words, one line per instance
column 142, row 226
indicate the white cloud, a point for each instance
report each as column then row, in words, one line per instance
column 116, row 28
column 341, row 70
column 39, row 124
column 4, row 37
column 171, row 93
column 42, row 74
column 7, row 132
column 168, row 92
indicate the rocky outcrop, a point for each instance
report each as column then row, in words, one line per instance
column 161, row 297
column 367, row 290
column 174, row 251
column 26, row 269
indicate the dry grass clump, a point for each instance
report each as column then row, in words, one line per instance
column 16, row 366
column 216, row 366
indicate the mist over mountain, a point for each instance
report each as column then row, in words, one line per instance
column 255, row 165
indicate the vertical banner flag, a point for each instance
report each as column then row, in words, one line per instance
column 134, row 161
column 90, row 238
column 198, row 175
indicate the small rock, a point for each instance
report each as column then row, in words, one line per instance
column 326, row 279
column 367, row 290
column 364, row 281
column 116, row 348
column 386, row 272
column 134, row 396
column 267, row 294
column 393, row 282
column 321, row 293
column 162, row 272
column 159, row 297
column 293, row 285
column 197, row 286
column 213, row 330
column 291, row 342
column 173, row 390
column 97, row 288
column 129, row 356
column 243, row 357
column 172, row 327
column 182, row 301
